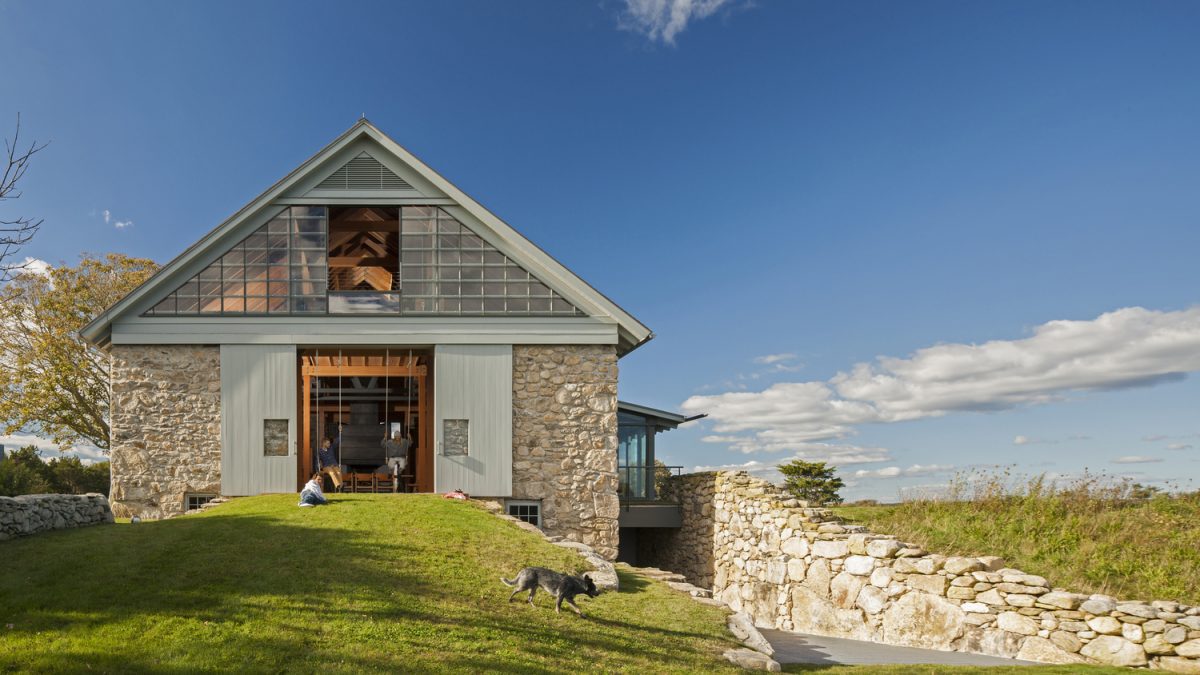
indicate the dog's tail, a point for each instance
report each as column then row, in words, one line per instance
column 506, row 582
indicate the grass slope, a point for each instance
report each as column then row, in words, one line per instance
column 369, row 583
column 1147, row 550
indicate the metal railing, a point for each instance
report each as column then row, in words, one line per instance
column 646, row 483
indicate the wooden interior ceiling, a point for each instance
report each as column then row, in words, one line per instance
column 364, row 248
column 401, row 359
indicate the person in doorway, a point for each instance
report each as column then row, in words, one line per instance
column 395, row 451
column 312, row 495
column 329, row 459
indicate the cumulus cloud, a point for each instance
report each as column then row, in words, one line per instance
column 897, row 472
column 1136, row 459
column 665, row 19
column 769, row 359
column 122, row 224
column 35, row 266
column 1125, row 348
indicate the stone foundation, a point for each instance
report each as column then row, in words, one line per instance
column 30, row 514
column 166, row 427
column 801, row 569
column 565, row 440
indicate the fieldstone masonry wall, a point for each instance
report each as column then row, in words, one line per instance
column 800, row 569
column 565, row 440
column 30, row 514
column 166, row 427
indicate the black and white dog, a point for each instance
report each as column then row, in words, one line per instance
column 561, row 586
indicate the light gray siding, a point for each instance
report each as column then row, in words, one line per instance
column 258, row 382
column 474, row 383
column 352, row 330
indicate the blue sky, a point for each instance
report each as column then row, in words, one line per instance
column 822, row 182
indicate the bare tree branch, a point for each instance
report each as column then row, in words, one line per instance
column 18, row 231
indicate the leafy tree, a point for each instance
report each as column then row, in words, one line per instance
column 814, row 482
column 52, row 382
column 24, row 472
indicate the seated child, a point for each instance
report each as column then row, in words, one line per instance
column 312, row 495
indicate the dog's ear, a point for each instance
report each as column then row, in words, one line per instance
column 587, row 578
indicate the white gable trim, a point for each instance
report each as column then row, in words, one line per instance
column 429, row 185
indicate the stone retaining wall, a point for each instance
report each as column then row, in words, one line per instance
column 565, row 440
column 30, row 514
column 166, row 427
column 800, row 569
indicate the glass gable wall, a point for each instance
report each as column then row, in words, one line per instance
column 303, row 262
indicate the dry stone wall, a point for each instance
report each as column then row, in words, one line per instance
column 800, row 569
column 30, row 514
column 166, row 427
column 565, row 440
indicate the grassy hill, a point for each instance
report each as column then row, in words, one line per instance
column 369, row 583
column 1093, row 535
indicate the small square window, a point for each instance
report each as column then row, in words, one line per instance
column 275, row 438
column 456, row 438
column 530, row 512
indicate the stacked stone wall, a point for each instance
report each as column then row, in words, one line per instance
column 30, row 514
column 166, row 427
column 801, row 569
column 565, row 440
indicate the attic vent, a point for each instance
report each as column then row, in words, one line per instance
column 364, row 172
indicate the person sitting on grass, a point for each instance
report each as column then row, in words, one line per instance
column 312, row 495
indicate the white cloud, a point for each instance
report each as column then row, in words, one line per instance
column 115, row 222
column 1124, row 348
column 1026, row 440
column 1136, row 459
column 1179, row 446
column 769, row 359
column 897, row 472
column 35, row 266
column 665, row 19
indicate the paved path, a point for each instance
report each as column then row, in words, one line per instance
column 814, row 649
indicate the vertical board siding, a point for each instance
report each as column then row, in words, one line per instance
column 258, row 382
column 474, row 382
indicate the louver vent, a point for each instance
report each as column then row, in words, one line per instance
column 364, row 173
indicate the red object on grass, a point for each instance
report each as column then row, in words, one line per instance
column 456, row 494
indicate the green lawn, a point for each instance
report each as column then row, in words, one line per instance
column 1143, row 550
column 368, row 583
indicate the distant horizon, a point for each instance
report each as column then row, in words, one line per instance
column 906, row 239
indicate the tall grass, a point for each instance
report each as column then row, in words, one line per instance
column 1094, row 533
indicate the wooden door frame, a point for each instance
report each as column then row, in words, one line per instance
column 308, row 371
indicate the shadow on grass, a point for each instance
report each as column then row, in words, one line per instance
column 352, row 586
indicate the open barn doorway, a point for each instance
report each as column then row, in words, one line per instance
column 356, row 398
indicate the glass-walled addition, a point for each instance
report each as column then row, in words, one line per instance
column 633, row 472
column 410, row 260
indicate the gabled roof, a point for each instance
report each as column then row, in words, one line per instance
column 309, row 180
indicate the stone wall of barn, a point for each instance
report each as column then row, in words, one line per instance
column 565, row 440
column 165, row 428
column 800, row 569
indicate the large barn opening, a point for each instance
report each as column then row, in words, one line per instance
column 369, row 405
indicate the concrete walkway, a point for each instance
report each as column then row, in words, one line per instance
column 814, row 649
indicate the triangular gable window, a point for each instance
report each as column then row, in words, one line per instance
column 429, row 264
